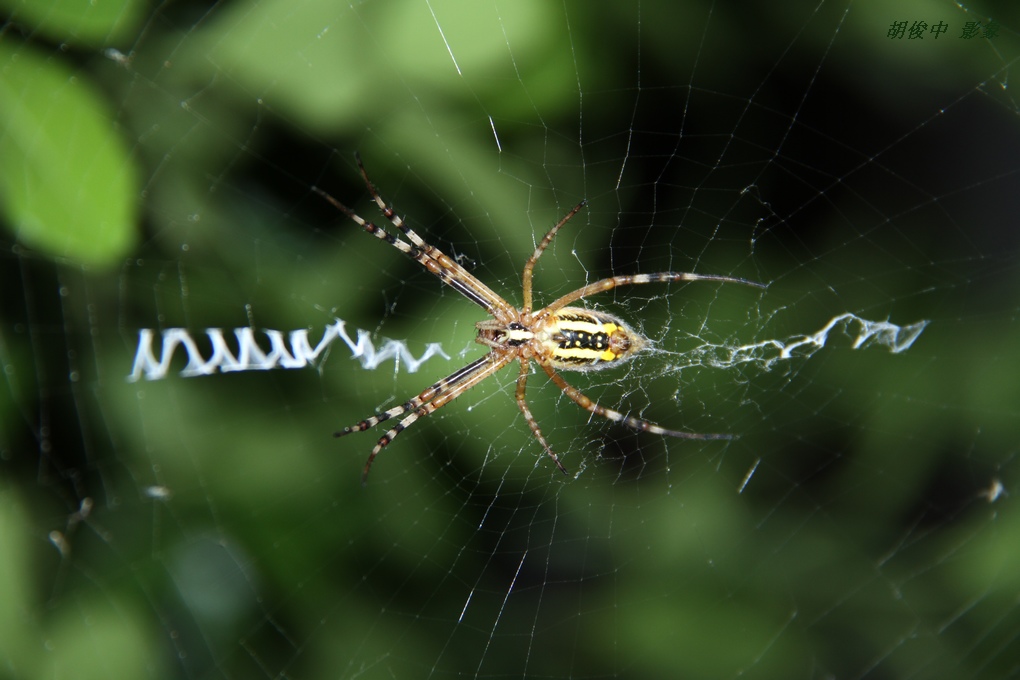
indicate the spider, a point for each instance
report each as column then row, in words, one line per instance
column 557, row 337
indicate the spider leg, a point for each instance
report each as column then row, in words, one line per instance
column 661, row 277
column 463, row 283
column 448, row 271
column 630, row 421
column 428, row 394
column 435, row 397
column 529, row 266
column 522, row 381
column 444, row 266
column 371, row 228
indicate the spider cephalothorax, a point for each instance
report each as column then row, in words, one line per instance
column 556, row 337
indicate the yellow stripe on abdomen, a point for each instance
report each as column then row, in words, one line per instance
column 579, row 339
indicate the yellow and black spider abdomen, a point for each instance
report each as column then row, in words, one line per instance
column 575, row 339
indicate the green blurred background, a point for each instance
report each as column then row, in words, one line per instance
column 157, row 167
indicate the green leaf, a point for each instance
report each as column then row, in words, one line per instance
column 98, row 639
column 77, row 22
column 16, row 629
column 67, row 184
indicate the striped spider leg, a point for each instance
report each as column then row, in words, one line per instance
column 557, row 337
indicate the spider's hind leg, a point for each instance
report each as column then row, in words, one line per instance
column 638, row 424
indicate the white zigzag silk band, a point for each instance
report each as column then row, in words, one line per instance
column 298, row 353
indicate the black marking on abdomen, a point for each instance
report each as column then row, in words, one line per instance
column 568, row 339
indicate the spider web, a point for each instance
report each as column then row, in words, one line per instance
column 185, row 513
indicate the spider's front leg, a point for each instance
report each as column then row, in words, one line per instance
column 430, row 400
